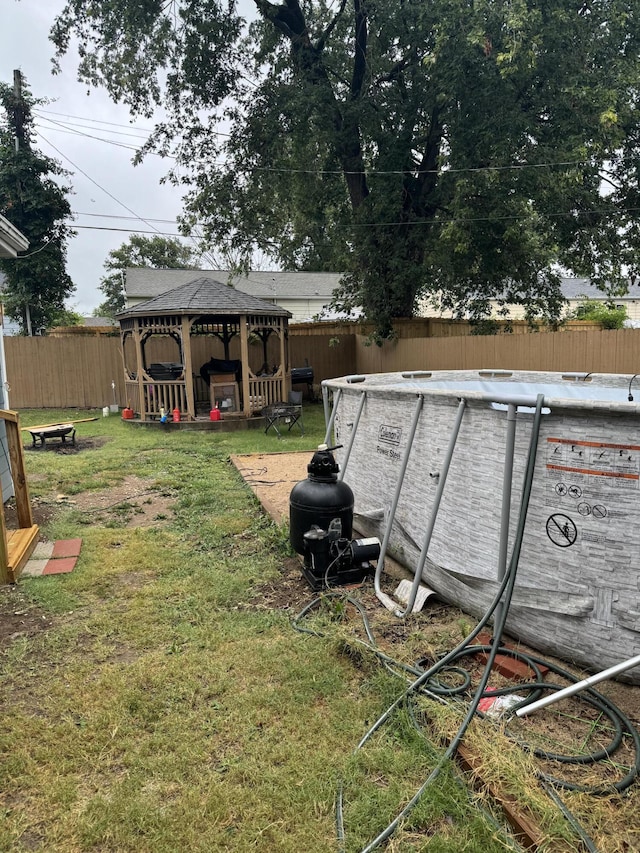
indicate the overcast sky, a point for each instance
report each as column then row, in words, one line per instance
column 105, row 182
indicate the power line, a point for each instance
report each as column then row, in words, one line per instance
column 370, row 173
column 93, row 120
column 117, row 200
column 91, row 136
column 70, row 124
column 440, row 172
column 144, row 130
column 428, row 223
column 117, row 216
column 130, row 231
column 122, row 204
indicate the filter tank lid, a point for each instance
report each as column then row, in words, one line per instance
column 323, row 465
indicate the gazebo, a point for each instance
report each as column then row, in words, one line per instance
column 230, row 351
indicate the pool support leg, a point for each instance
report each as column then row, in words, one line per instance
column 388, row 602
column 352, row 437
column 434, row 511
column 505, row 515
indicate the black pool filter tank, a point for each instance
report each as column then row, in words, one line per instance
column 321, row 522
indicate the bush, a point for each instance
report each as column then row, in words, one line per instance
column 605, row 313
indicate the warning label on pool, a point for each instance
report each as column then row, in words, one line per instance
column 600, row 468
column 591, row 493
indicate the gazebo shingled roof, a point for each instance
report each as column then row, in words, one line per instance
column 204, row 296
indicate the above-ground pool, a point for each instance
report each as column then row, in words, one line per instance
column 437, row 463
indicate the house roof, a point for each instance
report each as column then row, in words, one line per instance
column 98, row 321
column 204, row 296
column 576, row 288
column 145, row 283
column 12, row 241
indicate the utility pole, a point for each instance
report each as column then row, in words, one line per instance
column 19, row 142
column 18, row 110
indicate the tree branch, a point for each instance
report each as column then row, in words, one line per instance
column 394, row 72
column 427, row 169
column 604, row 177
column 331, row 26
column 289, row 19
column 359, row 50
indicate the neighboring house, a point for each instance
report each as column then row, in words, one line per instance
column 303, row 294
column 575, row 291
column 12, row 241
column 9, row 327
column 100, row 322
column 307, row 295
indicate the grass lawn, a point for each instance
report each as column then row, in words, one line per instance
column 165, row 708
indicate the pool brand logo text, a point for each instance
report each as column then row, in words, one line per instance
column 389, row 434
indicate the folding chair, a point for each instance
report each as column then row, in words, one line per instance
column 280, row 414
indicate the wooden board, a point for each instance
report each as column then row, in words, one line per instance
column 528, row 832
column 20, row 546
column 56, row 424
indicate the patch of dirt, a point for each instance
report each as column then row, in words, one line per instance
column 66, row 448
column 19, row 617
column 135, row 502
column 288, row 592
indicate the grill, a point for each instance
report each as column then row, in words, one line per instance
column 303, row 376
column 163, row 371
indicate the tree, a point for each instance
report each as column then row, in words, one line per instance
column 139, row 251
column 34, row 201
column 67, row 317
column 451, row 150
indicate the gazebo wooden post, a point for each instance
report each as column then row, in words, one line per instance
column 123, row 338
column 284, row 361
column 244, row 358
column 188, row 367
column 137, row 337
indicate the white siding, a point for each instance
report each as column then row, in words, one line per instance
column 5, row 469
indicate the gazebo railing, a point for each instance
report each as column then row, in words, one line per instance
column 265, row 391
column 132, row 390
column 156, row 396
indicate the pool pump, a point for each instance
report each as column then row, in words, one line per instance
column 320, row 522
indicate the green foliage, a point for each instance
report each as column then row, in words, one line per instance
column 139, row 251
column 67, row 317
column 485, row 326
column 604, row 313
column 33, row 200
column 452, row 150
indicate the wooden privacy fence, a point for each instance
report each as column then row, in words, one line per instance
column 78, row 371
column 615, row 351
column 65, row 372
